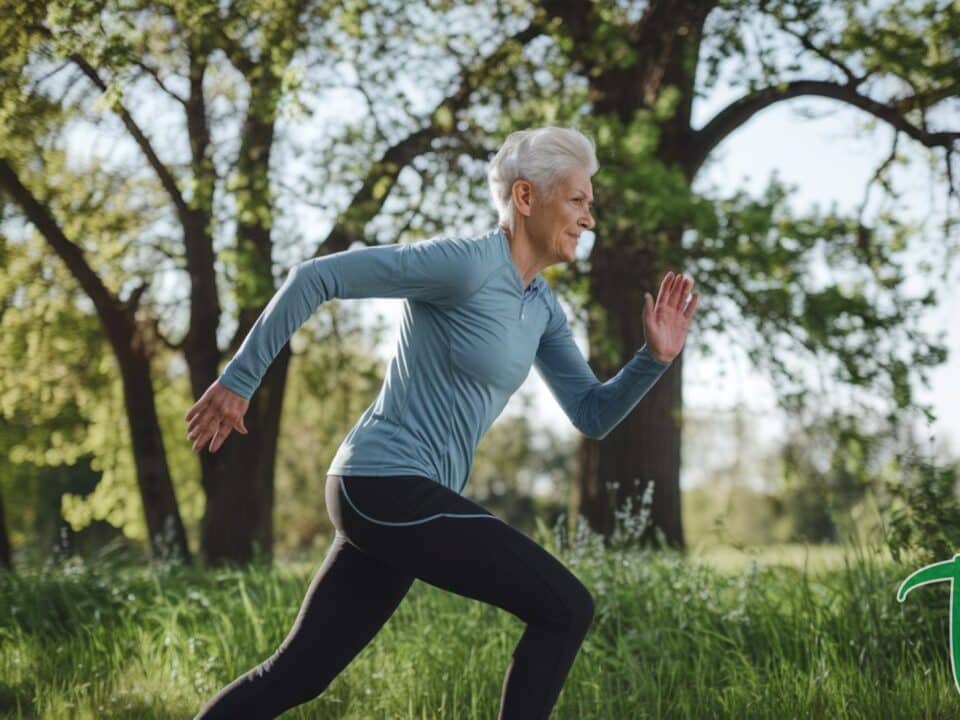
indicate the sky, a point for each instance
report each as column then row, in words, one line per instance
column 828, row 160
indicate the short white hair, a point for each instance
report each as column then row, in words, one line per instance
column 541, row 155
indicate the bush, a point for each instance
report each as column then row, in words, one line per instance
column 922, row 511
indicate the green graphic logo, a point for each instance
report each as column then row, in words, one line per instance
column 946, row 570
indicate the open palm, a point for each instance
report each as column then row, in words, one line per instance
column 665, row 323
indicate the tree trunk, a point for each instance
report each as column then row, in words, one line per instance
column 166, row 533
column 6, row 562
column 238, row 479
column 645, row 447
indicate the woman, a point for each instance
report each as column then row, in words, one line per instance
column 477, row 315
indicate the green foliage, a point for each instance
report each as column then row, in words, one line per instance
column 736, row 516
column 61, row 393
column 766, row 261
column 638, row 197
column 54, row 370
column 829, row 465
column 921, row 508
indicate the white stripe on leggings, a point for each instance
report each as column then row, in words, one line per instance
column 411, row 522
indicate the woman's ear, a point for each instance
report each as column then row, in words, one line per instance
column 523, row 196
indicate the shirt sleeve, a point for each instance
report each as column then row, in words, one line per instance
column 593, row 407
column 437, row 271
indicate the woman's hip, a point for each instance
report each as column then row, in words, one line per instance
column 428, row 531
column 395, row 501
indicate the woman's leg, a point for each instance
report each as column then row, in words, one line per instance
column 426, row 530
column 350, row 598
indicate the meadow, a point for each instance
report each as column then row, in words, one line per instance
column 786, row 632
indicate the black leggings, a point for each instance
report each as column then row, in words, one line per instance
column 390, row 531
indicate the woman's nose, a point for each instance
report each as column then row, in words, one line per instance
column 587, row 222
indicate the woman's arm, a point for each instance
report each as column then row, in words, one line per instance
column 593, row 407
column 437, row 271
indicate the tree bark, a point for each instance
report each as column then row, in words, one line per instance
column 645, row 447
column 238, row 482
column 168, row 538
column 6, row 561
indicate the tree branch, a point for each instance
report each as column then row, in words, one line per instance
column 738, row 112
column 371, row 196
column 167, row 180
column 236, row 53
column 853, row 80
column 877, row 177
column 46, row 76
column 152, row 72
column 108, row 306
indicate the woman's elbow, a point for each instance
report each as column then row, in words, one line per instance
column 592, row 430
column 600, row 434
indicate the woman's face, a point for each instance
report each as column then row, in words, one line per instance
column 556, row 222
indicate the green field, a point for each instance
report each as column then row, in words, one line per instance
column 787, row 632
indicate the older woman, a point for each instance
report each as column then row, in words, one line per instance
column 476, row 316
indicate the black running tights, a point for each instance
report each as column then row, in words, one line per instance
column 390, row 531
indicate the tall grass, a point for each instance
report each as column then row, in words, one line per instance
column 675, row 636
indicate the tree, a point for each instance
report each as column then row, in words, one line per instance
column 200, row 57
column 6, row 562
column 643, row 65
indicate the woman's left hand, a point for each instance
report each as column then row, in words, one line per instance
column 665, row 323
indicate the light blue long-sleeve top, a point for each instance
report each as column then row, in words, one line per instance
column 469, row 333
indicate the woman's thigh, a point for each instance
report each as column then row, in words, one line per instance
column 425, row 529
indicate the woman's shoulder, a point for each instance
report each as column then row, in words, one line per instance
column 477, row 246
column 464, row 255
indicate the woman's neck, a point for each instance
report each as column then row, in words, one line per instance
column 522, row 251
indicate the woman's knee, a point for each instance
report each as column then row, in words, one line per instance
column 574, row 608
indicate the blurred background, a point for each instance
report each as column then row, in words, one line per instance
column 163, row 165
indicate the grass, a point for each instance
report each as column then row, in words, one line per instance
column 788, row 633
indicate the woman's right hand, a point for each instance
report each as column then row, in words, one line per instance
column 217, row 413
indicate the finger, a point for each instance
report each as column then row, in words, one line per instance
column 204, row 400
column 194, row 409
column 240, row 426
column 201, row 434
column 665, row 286
column 204, row 438
column 675, row 290
column 680, row 292
column 200, row 421
column 211, row 415
column 219, row 438
column 198, row 431
column 688, row 313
